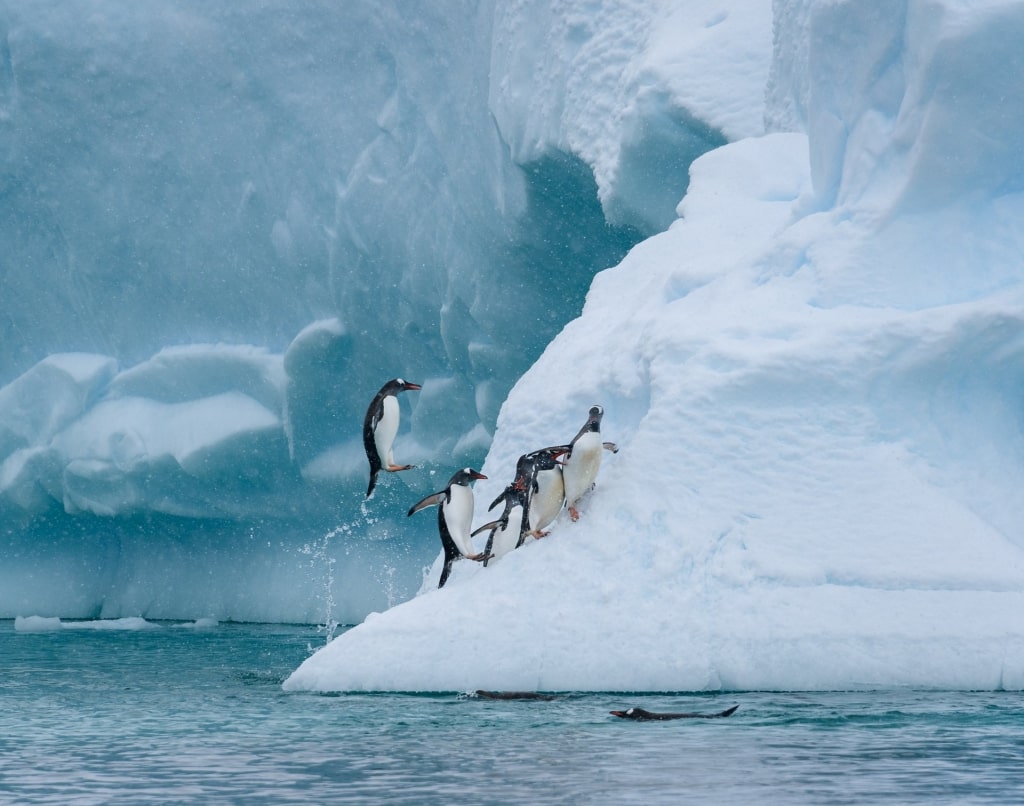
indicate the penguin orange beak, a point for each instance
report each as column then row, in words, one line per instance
column 474, row 474
column 412, row 387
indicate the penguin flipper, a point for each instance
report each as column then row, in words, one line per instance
column 432, row 500
column 373, row 482
column 493, row 525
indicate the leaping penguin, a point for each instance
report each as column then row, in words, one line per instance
column 454, row 517
column 584, row 460
column 380, row 428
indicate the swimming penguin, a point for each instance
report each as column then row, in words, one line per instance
column 547, row 493
column 584, row 460
column 454, row 516
column 641, row 715
column 380, row 428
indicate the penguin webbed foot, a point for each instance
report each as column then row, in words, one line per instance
column 610, row 446
column 479, row 557
column 574, row 514
column 537, row 534
column 396, row 468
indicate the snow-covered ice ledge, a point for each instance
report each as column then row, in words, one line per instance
column 808, row 495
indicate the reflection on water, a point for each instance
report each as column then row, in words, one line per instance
column 185, row 715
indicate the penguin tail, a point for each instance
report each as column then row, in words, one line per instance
column 373, row 483
column 445, row 572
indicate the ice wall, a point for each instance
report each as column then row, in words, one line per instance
column 815, row 378
column 224, row 227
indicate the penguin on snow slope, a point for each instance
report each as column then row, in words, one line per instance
column 380, row 428
column 579, row 470
column 510, row 530
column 454, row 517
column 507, row 531
column 547, row 493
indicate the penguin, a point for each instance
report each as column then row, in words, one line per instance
column 507, row 532
column 380, row 427
column 584, row 460
column 548, row 490
column 454, row 515
column 511, row 529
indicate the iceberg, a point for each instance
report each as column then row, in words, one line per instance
column 814, row 377
column 779, row 243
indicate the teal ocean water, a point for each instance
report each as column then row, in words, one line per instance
column 179, row 714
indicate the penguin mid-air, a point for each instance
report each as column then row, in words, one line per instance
column 454, row 517
column 579, row 470
column 380, row 428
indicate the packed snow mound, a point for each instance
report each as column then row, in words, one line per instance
column 817, row 405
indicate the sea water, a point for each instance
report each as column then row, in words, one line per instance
column 129, row 712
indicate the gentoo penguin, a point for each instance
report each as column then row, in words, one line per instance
column 641, row 715
column 584, row 460
column 454, row 516
column 380, row 428
column 547, row 493
column 510, row 530
column 506, row 532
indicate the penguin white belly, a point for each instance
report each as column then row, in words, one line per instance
column 458, row 515
column 580, row 470
column 386, row 430
column 547, row 501
column 505, row 539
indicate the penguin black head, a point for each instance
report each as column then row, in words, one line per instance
column 396, row 385
column 465, row 476
column 547, row 458
column 594, row 420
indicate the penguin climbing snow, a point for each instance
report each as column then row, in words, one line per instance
column 580, row 467
column 454, row 517
column 507, row 531
column 547, row 493
column 380, row 428
column 531, row 487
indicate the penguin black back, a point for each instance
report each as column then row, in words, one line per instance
column 379, row 419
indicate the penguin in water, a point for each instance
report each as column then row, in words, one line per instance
column 584, row 460
column 454, row 515
column 380, row 428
